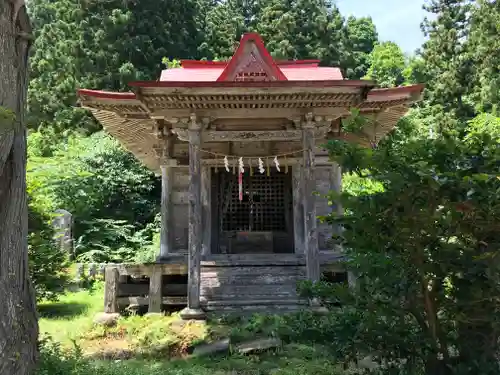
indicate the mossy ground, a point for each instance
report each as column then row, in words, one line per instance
column 158, row 344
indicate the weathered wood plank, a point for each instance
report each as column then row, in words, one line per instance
column 303, row 88
column 258, row 345
column 207, row 209
column 253, row 291
column 139, row 270
column 181, row 178
column 195, row 227
column 251, row 280
column 142, row 289
column 298, row 208
column 310, row 221
column 111, row 290
column 256, row 302
column 252, row 271
column 231, row 260
column 155, row 290
column 144, row 301
column 166, row 212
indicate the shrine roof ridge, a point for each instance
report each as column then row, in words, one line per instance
column 207, row 64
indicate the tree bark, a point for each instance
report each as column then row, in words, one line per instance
column 18, row 319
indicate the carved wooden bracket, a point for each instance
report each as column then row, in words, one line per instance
column 250, row 136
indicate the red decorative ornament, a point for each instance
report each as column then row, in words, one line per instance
column 240, row 186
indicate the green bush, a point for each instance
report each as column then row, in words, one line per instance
column 55, row 361
column 47, row 262
column 111, row 196
column 425, row 250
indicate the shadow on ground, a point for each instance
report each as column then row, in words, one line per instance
column 61, row 310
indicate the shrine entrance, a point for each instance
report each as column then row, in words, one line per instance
column 254, row 217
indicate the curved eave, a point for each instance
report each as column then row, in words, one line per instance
column 135, row 135
column 164, row 97
column 127, row 118
column 123, row 103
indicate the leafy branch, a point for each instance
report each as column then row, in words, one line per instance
column 355, row 122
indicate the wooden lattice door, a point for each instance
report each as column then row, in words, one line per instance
column 262, row 221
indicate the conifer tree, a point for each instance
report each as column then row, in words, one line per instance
column 447, row 65
column 484, row 47
column 102, row 45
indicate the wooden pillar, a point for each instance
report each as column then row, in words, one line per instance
column 193, row 310
column 155, row 290
column 166, row 212
column 298, row 208
column 336, row 184
column 111, row 281
column 207, row 211
column 309, row 183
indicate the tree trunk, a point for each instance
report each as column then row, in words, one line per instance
column 18, row 319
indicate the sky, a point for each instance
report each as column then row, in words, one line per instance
column 396, row 20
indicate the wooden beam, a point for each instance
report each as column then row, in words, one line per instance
column 177, row 267
column 310, row 221
column 207, row 209
column 155, row 291
column 166, row 238
column 302, row 88
column 254, row 113
column 193, row 310
column 253, row 161
column 111, row 282
column 336, row 185
column 298, row 206
column 250, row 135
column 144, row 301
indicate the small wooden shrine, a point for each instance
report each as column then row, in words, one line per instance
column 238, row 145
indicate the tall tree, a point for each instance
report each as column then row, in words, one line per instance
column 387, row 65
column 445, row 56
column 224, row 26
column 360, row 36
column 484, row 46
column 18, row 319
column 103, row 45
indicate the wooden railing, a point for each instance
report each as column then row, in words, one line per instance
column 144, row 285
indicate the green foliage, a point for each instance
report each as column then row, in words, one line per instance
column 387, row 65
column 55, row 361
column 157, row 341
column 47, row 263
column 170, row 64
column 111, row 196
column 360, row 36
column 425, row 250
column 447, row 67
column 483, row 47
column 292, row 30
column 101, row 45
column 354, row 123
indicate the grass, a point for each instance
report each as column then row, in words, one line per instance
column 71, row 317
column 147, row 345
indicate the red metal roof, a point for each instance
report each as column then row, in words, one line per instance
column 291, row 72
column 212, row 71
column 251, row 50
